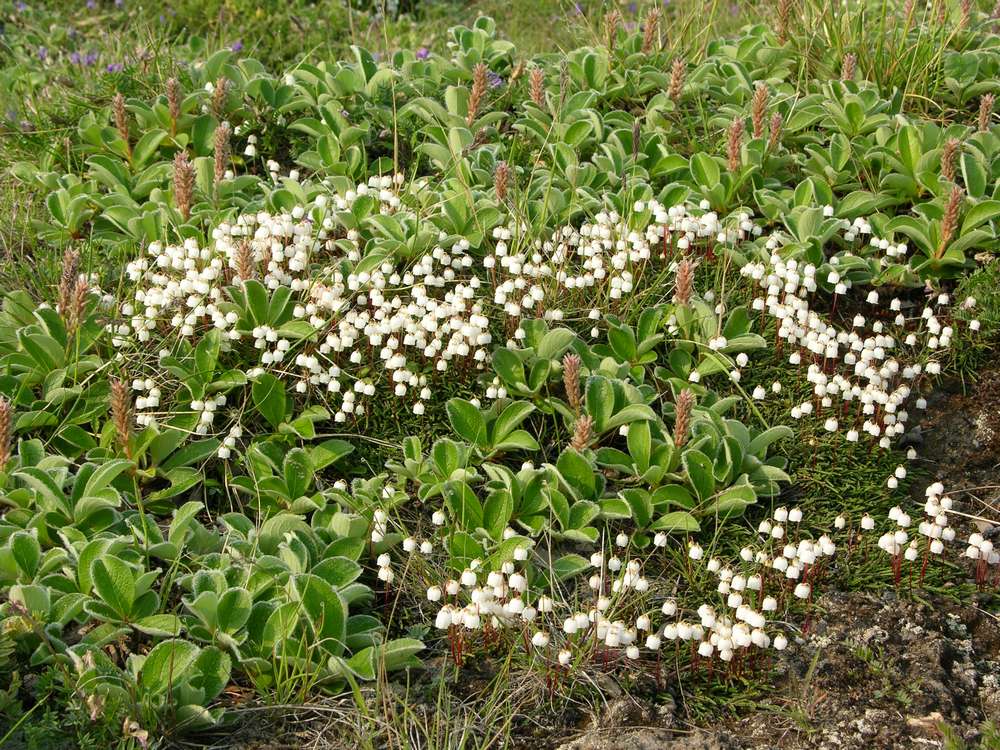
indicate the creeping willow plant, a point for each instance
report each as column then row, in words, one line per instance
column 515, row 356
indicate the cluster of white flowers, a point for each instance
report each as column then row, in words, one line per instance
column 386, row 322
column 146, row 403
column 984, row 552
column 874, row 365
column 937, row 526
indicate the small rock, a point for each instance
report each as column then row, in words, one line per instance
column 926, row 726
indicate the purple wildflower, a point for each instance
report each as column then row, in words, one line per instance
column 74, row 57
column 237, row 46
column 633, row 8
column 21, row 7
column 115, row 67
column 91, row 4
column 423, row 53
column 90, row 58
column 494, row 80
column 43, row 53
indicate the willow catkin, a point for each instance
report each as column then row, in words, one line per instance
column 516, row 73
column 985, row 112
column 121, row 120
column 775, row 135
column 538, row 86
column 678, row 69
column 784, row 16
column 174, row 103
column 966, row 17
column 650, row 32
column 684, row 283
column 949, row 154
column 950, row 220
column 582, row 433
column 219, row 98
column 611, row 23
column 68, row 280
column 682, row 418
column 183, row 184
column 243, row 260
column 501, row 180
column 6, row 431
column 479, row 83
column 758, row 109
column 563, row 84
column 734, row 144
column 848, row 67
column 221, row 149
column 121, row 413
column 77, row 305
column 571, row 380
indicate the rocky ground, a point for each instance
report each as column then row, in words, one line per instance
column 875, row 671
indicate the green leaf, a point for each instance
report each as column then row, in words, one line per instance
column 298, row 472
column 599, row 401
column 257, row 301
column 639, row 444
column 517, row 440
column 979, row 214
column 115, row 584
column 679, row 520
column 27, row 553
column 510, row 418
column 464, row 504
column 167, row 666
column 324, row 610
column 400, row 654
column 973, row 175
column 206, row 354
column 673, row 494
column 497, row 511
column 569, row 565
column 467, row 421
column 622, row 340
column 328, row 452
column 631, row 414
column 641, row 505
column 233, row 610
column 161, row 626
column 554, row 343
column 578, row 473
column 699, row 470
column 760, row 444
column 704, row 170
column 105, row 475
column 211, row 673
column 509, row 367
column 269, row 397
